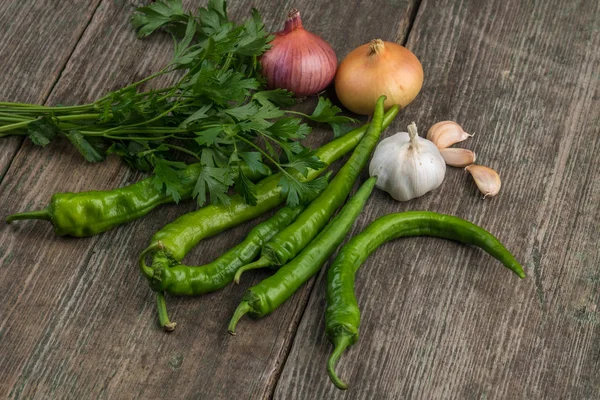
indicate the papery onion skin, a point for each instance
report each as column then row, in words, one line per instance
column 298, row 60
column 378, row 68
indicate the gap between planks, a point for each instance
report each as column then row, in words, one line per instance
column 51, row 90
column 314, row 281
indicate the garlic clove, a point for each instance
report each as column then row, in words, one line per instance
column 486, row 179
column 456, row 157
column 446, row 133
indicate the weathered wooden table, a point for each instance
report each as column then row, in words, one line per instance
column 440, row 320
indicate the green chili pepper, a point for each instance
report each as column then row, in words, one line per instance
column 342, row 316
column 183, row 280
column 181, row 235
column 289, row 242
column 92, row 212
column 269, row 294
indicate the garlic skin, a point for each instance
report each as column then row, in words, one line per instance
column 486, row 179
column 446, row 133
column 407, row 166
column 457, row 157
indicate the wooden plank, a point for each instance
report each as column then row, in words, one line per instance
column 38, row 39
column 86, row 322
column 38, row 285
column 440, row 320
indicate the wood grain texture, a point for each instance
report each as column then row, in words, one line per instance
column 440, row 320
column 38, row 37
column 40, row 306
column 78, row 319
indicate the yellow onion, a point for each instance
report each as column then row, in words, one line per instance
column 298, row 60
column 378, row 68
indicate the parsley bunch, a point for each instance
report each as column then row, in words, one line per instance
column 217, row 114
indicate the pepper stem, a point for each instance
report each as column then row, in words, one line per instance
column 163, row 317
column 40, row 214
column 242, row 310
column 262, row 262
column 340, row 343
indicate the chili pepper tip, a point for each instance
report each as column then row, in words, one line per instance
column 340, row 343
column 518, row 269
column 242, row 309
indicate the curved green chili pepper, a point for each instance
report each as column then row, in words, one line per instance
column 269, row 294
column 95, row 211
column 183, row 280
column 342, row 316
column 289, row 242
column 181, row 235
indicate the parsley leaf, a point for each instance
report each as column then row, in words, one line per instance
column 254, row 161
column 301, row 192
column 277, row 97
column 201, row 113
column 42, row 131
column 304, row 161
column 289, row 128
column 167, row 176
column 326, row 112
column 255, row 38
column 245, row 188
column 208, row 136
column 157, row 15
column 213, row 182
column 88, row 150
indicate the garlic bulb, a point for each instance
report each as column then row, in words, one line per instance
column 487, row 180
column 407, row 166
column 446, row 133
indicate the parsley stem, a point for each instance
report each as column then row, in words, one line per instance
column 159, row 116
column 14, row 119
column 13, row 134
column 271, row 138
column 133, row 85
column 23, row 124
column 148, row 130
column 4, row 115
column 174, row 147
column 140, row 138
column 77, row 117
column 171, row 91
column 35, row 108
column 14, row 126
column 225, row 66
column 297, row 113
column 267, row 156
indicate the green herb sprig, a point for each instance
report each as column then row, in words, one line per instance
column 218, row 113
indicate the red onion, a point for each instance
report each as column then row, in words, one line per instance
column 298, row 60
